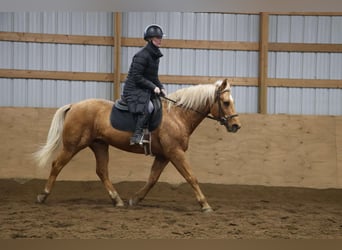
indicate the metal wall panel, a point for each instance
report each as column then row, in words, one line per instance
column 191, row 62
column 307, row 101
column 63, row 57
column 195, row 26
column 305, row 29
column 246, row 99
column 336, row 29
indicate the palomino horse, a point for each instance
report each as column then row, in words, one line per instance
column 86, row 124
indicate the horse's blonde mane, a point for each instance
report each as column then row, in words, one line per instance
column 197, row 96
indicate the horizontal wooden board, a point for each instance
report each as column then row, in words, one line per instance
column 243, row 81
column 56, row 75
column 305, row 47
column 195, row 44
column 167, row 43
column 304, row 83
column 56, row 38
column 172, row 79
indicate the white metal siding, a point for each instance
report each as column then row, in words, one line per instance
column 305, row 29
column 313, row 101
column 63, row 57
column 191, row 62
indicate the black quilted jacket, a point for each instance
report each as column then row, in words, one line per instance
column 142, row 78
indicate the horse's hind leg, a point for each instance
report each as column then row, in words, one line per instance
column 57, row 165
column 157, row 168
column 100, row 150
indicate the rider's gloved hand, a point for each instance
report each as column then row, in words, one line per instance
column 157, row 90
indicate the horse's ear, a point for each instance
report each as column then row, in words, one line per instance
column 223, row 85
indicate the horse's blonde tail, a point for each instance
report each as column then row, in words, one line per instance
column 54, row 138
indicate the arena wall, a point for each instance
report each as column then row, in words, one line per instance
column 271, row 150
column 277, row 62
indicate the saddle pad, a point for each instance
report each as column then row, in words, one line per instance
column 124, row 120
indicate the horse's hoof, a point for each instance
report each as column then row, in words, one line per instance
column 132, row 202
column 207, row 210
column 120, row 204
column 41, row 198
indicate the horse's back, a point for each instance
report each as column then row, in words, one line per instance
column 86, row 113
column 94, row 103
column 92, row 106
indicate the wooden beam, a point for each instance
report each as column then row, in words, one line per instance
column 174, row 79
column 56, row 38
column 194, row 44
column 117, row 55
column 305, row 47
column 263, row 62
column 212, row 45
column 167, row 43
column 56, row 75
column 304, row 83
column 168, row 79
column 132, row 42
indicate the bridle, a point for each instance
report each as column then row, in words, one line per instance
column 222, row 119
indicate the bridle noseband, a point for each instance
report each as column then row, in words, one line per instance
column 222, row 119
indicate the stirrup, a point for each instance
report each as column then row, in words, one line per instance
column 135, row 140
column 144, row 141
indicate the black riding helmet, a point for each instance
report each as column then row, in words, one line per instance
column 153, row 30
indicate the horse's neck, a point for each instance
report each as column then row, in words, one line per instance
column 191, row 119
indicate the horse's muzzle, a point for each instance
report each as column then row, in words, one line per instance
column 234, row 125
column 233, row 128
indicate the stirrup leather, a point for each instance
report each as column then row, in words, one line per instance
column 147, row 142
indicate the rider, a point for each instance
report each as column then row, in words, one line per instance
column 143, row 81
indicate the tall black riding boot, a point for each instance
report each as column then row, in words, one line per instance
column 139, row 127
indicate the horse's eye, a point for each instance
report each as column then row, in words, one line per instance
column 226, row 103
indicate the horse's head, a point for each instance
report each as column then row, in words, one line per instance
column 223, row 109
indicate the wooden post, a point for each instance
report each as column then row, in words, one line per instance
column 117, row 54
column 263, row 62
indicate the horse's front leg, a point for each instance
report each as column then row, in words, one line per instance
column 157, row 168
column 179, row 160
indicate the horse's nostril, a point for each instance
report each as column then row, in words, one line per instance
column 235, row 127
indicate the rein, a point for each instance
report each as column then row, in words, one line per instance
column 222, row 119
